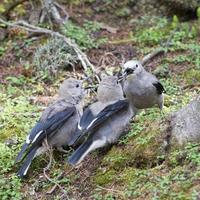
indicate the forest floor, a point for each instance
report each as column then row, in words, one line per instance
column 138, row 167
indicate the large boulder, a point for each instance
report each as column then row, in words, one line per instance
column 185, row 124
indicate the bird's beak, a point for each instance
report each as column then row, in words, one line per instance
column 126, row 72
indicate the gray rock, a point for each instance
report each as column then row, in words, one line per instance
column 185, row 123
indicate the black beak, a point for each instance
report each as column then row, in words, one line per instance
column 125, row 74
column 128, row 71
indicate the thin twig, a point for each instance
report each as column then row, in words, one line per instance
column 49, row 148
column 111, row 190
column 59, row 177
column 52, row 181
column 49, row 165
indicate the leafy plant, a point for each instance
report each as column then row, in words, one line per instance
column 9, row 185
column 10, row 188
column 82, row 35
column 14, row 115
column 53, row 56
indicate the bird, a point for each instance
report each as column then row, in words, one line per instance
column 56, row 126
column 142, row 88
column 105, row 96
column 105, row 121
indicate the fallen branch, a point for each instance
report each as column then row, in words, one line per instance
column 151, row 55
column 49, row 9
column 31, row 28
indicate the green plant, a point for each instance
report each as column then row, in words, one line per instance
column 53, row 56
column 2, row 51
column 20, row 80
column 82, row 35
column 91, row 26
column 9, row 184
column 7, row 160
column 175, row 22
column 198, row 13
column 10, row 188
column 14, row 116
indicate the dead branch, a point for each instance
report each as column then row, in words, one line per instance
column 49, row 10
column 35, row 29
column 63, row 10
column 152, row 55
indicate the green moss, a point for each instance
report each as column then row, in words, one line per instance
column 103, row 178
column 192, row 76
column 140, row 152
column 14, row 115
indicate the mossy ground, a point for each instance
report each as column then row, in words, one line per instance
column 139, row 166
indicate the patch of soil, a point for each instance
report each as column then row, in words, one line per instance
column 12, row 71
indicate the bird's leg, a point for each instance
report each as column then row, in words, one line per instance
column 61, row 149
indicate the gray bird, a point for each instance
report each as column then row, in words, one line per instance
column 142, row 88
column 57, row 124
column 105, row 120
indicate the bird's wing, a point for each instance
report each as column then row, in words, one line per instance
column 159, row 87
column 103, row 115
column 44, row 128
column 107, row 112
column 85, row 120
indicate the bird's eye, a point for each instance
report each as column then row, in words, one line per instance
column 77, row 85
column 136, row 65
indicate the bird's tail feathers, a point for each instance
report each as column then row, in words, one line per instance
column 27, row 162
column 20, row 154
column 88, row 146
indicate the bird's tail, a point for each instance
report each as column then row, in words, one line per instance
column 27, row 162
column 88, row 146
column 20, row 154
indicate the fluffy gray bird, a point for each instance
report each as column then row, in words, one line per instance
column 105, row 120
column 57, row 124
column 142, row 88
